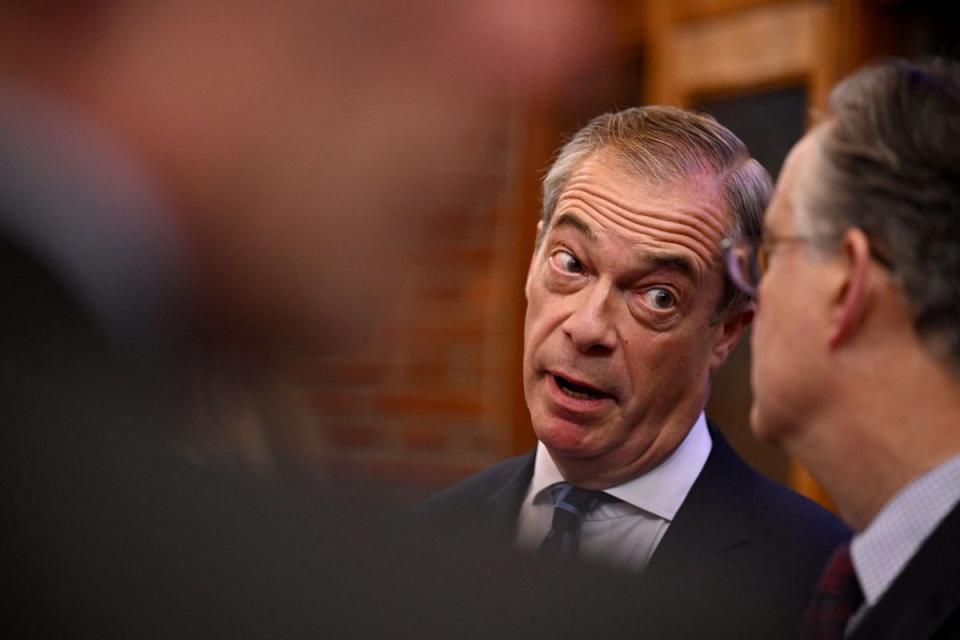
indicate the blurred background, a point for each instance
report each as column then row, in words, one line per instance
column 436, row 393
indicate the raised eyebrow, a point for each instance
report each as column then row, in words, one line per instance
column 574, row 221
column 669, row 262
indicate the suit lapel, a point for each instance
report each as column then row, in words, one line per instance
column 501, row 507
column 710, row 521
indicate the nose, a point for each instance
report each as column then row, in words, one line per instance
column 590, row 326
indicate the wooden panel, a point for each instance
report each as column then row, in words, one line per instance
column 775, row 44
column 682, row 10
column 630, row 20
column 772, row 44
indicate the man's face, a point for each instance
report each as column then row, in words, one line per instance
column 618, row 342
column 789, row 316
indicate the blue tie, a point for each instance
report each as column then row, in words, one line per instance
column 570, row 505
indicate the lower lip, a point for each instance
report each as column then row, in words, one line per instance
column 579, row 405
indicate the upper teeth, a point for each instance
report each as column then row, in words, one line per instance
column 567, row 388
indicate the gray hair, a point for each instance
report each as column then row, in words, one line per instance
column 665, row 145
column 890, row 166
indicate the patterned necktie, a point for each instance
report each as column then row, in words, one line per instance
column 836, row 598
column 570, row 505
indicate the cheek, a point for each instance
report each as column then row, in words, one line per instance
column 651, row 358
column 777, row 366
column 668, row 365
column 544, row 314
column 766, row 321
column 780, row 325
column 534, row 336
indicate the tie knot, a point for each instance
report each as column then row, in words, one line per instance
column 574, row 500
column 570, row 505
column 839, row 579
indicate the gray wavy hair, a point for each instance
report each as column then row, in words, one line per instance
column 666, row 145
column 890, row 165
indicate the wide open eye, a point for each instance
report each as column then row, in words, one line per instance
column 659, row 298
column 566, row 262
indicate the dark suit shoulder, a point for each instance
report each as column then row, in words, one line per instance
column 503, row 480
column 741, row 556
column 793, row 513
column 783, row 514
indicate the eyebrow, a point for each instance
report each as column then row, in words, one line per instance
column 571, row 220
column 648, row 262
column 669, row 262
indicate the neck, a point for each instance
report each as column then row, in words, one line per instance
column 889, row 427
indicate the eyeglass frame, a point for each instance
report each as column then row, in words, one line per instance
column 759, row 254
column 757, row 251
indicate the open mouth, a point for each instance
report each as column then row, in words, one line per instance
column 579, row 391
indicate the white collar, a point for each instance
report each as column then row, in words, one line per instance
column 660, row 491
column 883, row 549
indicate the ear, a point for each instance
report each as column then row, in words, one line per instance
column 851, row 295
column 533, row 259
column 729, row 334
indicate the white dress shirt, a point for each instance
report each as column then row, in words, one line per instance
column 882, row 550
column 622, row 533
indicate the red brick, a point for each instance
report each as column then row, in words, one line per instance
column 425, row 438
column 342, row 371
column 431, row 373
column 429, row 402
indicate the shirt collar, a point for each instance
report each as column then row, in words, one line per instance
column 660, row 491
column 882, row 550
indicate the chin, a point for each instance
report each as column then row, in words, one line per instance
column 764, row 427
column 566, row 439
column 561, row 439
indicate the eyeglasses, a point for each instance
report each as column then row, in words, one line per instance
column 747, row 258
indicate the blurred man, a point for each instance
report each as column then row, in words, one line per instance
column 856, row 353
column 187, row 182
column 628, row 316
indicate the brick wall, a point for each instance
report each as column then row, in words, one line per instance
column 435, row 395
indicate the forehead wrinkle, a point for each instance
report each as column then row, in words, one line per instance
column 701, row 234
column 607, row 189
column 585, row 188
column 701, row 250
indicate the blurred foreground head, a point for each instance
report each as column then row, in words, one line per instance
column 299, row 144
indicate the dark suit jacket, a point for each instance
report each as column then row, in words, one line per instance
column 924, row 600
column 739, row 560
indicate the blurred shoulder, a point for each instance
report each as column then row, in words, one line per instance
column 512, row 475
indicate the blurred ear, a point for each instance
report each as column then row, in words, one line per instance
column 533, row 259
column 729, row 334
column 852, row 293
